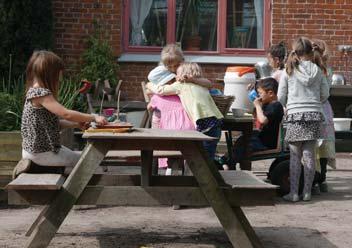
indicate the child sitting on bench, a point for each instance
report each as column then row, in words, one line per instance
column 43, row 116
column 269, row 113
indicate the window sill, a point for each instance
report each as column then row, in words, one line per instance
column 202, row 59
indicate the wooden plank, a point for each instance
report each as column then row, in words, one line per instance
column 151, row 134
column 137, row 154
column 26, row 181
column 148, row 196
column 245, row 179
column 55, row 214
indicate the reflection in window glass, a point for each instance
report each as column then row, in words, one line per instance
column 196, row 24
column 148, row 22
column 244, row 24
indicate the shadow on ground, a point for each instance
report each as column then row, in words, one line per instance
column 271, row 237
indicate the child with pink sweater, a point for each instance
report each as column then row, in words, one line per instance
column 172, row 115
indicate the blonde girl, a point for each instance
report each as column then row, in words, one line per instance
column 302, row 89
column 43, row 115
column 197, row 102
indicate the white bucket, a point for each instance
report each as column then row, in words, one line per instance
column 236, row 85
column 342, row 124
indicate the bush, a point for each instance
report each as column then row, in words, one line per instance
column 98, row 59
column 25, row 26
column 10, row 120
column 11, row 103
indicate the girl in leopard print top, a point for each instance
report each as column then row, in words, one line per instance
column 43, row 115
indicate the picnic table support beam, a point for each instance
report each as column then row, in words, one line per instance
column 234, row 222
column 146, row 168
column 54, row 215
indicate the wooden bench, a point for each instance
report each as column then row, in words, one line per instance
column 245, row 190
column 27, row 181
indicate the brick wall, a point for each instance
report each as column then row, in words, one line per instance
column 73, row 22
column 330, row 20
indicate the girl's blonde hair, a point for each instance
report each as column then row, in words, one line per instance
column 170, row 54
column 189, row 69
column 322, row 48
column 303, row 47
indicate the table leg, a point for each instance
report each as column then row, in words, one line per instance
column 229, row 145
column 146, row 173
column 245, row 163
column 54, row 215
column 210, row 181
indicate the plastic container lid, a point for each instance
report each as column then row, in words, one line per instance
column 241, row 70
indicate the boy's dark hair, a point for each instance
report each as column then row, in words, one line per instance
column 267, row 84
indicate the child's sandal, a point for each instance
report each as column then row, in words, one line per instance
column 24, row 165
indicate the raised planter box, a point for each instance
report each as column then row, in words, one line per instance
column 10, row 154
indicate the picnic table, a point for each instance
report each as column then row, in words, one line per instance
column 245, row 125
column 225, row 193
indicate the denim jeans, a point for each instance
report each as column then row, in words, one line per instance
column 210, row 146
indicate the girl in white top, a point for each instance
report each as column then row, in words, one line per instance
column 277, row 55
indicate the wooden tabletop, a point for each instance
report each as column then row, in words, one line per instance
column 152, row 134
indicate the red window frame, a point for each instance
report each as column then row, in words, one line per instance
column 221, row 33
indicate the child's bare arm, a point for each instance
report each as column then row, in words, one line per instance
column 204, row 82
column 165, row 90
column 50, row 103
column 259, row 111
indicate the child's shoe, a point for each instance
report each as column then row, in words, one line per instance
column 307, row 196
column 324, row 187
column 291, row 197
column 316, row 190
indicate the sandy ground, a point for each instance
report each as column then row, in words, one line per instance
column 325, row 222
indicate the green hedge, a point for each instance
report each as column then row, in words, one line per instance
column 25, row 25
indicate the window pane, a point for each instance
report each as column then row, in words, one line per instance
column 148, row 22
column 245, row 23
column 196, row 24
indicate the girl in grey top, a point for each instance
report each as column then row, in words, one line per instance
column 302, row 89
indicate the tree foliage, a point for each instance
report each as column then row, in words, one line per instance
column 99, row 62
column 25, row 25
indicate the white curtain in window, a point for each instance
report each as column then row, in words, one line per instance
column 139, row 11
column 259, row 7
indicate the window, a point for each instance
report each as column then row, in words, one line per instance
column 199, row 26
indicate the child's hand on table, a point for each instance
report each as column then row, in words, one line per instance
column 101, row 120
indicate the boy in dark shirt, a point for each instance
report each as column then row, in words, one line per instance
column 269, row 113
